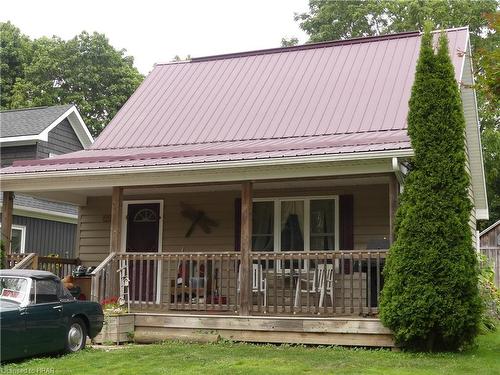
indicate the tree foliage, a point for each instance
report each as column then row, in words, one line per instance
column 15, row 53
column 487, row 58
column 331, row 20
column 430, row 297
column 86, row 71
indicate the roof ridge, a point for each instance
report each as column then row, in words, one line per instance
column 307, row 46
column 302, row 47
column 34, row 108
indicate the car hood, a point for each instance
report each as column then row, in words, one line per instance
column 8, row 305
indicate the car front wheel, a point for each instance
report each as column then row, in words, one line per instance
column 76, row 336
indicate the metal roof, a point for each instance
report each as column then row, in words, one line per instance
column 29, row 121
column 327, row 98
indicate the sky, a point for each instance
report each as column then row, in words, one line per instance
column 156, row 30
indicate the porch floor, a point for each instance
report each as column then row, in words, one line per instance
column 211, row 326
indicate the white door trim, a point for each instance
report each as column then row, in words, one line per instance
column 160, row 235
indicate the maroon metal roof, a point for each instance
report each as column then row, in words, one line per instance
column 220, row 151
column 325, row 98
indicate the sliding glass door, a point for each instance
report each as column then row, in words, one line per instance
column 295, row 224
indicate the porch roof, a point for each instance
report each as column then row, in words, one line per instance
column 219, row 152
column 341, row 97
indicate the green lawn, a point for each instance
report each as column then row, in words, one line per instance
column 236, row 358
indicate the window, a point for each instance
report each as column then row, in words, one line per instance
column 263, row 226
column 44, row 291
column 323, row 223
column 13, row 288
column 18, row 239
column 295, row 224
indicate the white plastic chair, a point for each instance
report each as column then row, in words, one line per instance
column 259, row 283
column 322, row 283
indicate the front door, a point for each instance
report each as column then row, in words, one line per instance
column 143, row 230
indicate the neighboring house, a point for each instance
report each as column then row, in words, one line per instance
column 40, row 225
column 489, row 240
column 258, row 183
column 490, row 237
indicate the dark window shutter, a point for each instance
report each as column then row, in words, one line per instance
column 346, row 213
column 237, row 224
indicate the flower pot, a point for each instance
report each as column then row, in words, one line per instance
column 117, row 329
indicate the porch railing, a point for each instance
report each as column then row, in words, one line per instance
column 284, row 283
column 20, row 261
column 58, row 266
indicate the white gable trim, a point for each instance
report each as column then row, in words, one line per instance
column 473, row 137
column 74, row 119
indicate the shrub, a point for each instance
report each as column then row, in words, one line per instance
column 490, row 296
column 430, row 299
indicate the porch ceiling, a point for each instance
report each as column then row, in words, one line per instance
column 76, row 190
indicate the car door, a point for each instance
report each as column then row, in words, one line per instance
column 44, row 323
column 13, row 337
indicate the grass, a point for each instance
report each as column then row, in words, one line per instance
column 238, row 358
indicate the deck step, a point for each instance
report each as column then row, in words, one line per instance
column 348, row 331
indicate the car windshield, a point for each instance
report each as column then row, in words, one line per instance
column 13, row 288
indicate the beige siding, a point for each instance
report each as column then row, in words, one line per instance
column 94, row 230
column 371, row 219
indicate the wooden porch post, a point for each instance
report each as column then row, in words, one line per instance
column 246, row 248
column 7, row 208
column 393, row 205
column 116, row 219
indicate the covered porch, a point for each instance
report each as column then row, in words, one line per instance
column 309, row 247
column 296, row 260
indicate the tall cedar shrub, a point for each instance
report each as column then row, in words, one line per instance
column 430, row 299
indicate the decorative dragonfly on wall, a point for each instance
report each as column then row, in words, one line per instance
column 197, row 217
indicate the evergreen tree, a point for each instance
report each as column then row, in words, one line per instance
column 430, row 297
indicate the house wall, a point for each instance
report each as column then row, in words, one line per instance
column 93, row 233
column 62, row 139
column 371, row 219
column 10, row 154
column 46, row 237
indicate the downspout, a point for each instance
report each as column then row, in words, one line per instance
column 400, row 174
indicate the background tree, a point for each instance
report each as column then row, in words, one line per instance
column 331, row 20
column 487, row 58
column 86, row 71
column 430, row 298
column 289, row 42
column 15, row 52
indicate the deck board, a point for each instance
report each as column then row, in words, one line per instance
column 349, row 331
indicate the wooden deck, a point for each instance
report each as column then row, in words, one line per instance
column 348, row 331
column 320, row 298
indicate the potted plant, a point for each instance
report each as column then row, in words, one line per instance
column 118, row 324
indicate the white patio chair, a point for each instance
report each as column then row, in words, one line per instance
column 259, row 283
column 322, row 283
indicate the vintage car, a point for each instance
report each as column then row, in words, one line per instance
column 39, row 315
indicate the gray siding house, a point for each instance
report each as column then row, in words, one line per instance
column 39, row 225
